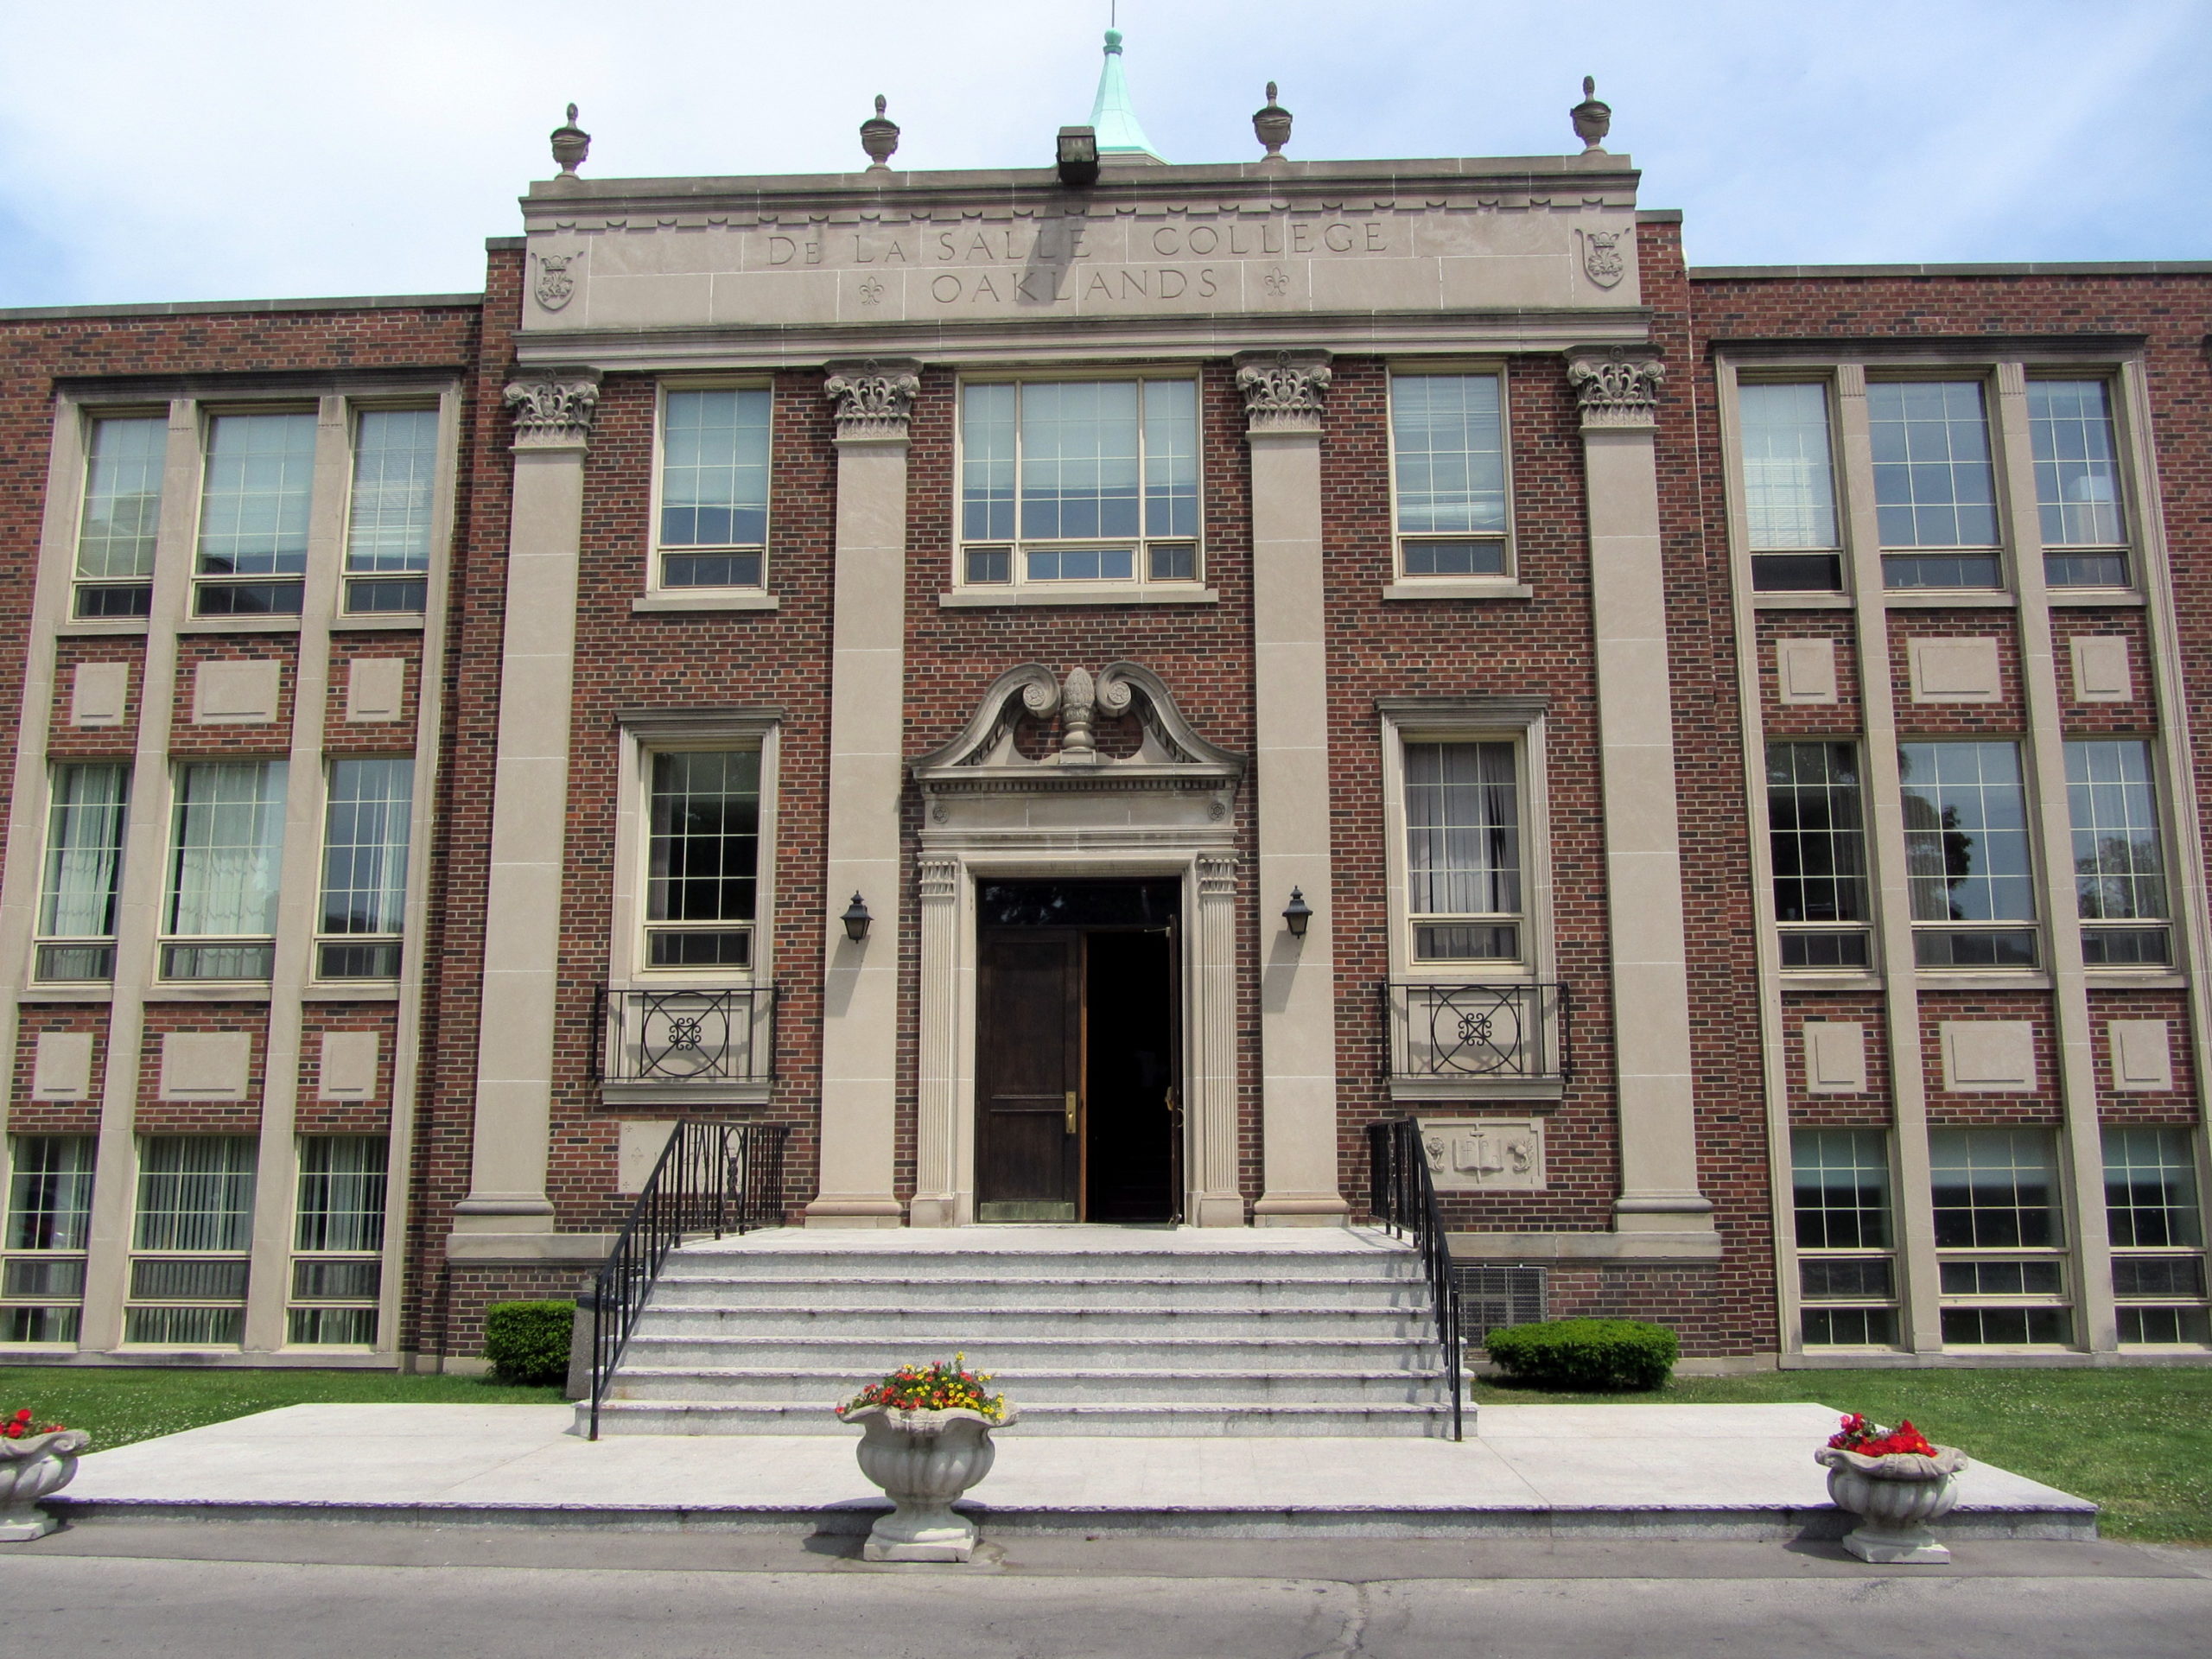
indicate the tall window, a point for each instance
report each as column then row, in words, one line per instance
column 1448, row 458
column 2119, row 878
column 1845, row 1273
column 1998, row 1236
column 227, row 841
column 48, row 1223
column 1817, row 832
column 364, row 868
column 1079, row 481
column 2158, row 1235
column 702, row 858
column 2077, row 484
column 1790, row 516
column 122, row 509
column 194, row 1228
column 388, row 521
column 714, row 489
column 84, row 869
column 1966, row 845
column 253, row 514
column 1934, row 489
column 1463, row 856
column 338, row 1234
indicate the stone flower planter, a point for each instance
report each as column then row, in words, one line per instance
column 923, row 1461
column 31, row 1468
column 1895, row 1495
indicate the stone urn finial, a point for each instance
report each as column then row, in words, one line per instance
column 1593, row 120
column 1271, row 125
column 878, row 137
column 571, row 143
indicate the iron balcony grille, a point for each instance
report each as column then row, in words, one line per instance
column 699, row 1035
column 1518, row 1031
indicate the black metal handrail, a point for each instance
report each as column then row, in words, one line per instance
column 713, row 1177
column 1518, row 1031
column 1402, row 1197
column 699, row 1035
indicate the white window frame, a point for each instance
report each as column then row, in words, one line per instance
column 41, row 939
column 398, row 940
column 2066, row 1299
column 442, row 486
column 295, row 1255
column 10, row 1153
column 164, row 937
column 1735, row 376
column 1508, row 583
column 89, row 416
column 205, row 413
column 655, row 587
column 1892, row 1252
column 132, row 1301
column 2129, row 547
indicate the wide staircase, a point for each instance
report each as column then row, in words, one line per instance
column 1088, row 1329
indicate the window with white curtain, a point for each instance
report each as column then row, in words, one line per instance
column 364, row 868
column 1463, row 852
column 338, row 1233
column 83, row 873
column 1790, row 516
column 123, row 461
column 194, row 1226
column 227, row 842
column 388, row 520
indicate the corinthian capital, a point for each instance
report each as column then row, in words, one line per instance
column 1283, row 390
column 554, row 411
column 874, row 398
column 1616, row 385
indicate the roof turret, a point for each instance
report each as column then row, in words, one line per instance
column 1120, row 134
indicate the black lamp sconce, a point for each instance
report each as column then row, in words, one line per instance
column 1077, row 155
column 856, row 919
column 1297, row 913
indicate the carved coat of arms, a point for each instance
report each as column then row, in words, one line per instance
column 1602, row 258
column 556, row 282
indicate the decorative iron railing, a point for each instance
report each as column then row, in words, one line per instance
column 1402, row 1197
column 1520, row 1032
column 713, row 1178
column 686, row 1036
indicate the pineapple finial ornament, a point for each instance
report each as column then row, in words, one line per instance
column 1593, row 120
column 879, row 137
column 1271, row 126
column 571, row 143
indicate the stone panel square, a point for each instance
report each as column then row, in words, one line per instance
column 375, row 687
column 1836, row 1057
column 1989, row 1057
column 2101, row 671
column 1806, row 668
column 228, row 693
column 205, row 1064
column 349, row 1069
column 1954, row 671
column 2142, row 1055
column 63, row 1070
column 98, row 693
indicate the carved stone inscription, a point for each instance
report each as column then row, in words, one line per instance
column 1485, row 1155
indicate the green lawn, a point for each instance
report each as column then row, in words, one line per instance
column 2138, row 1441
column 120, row 1405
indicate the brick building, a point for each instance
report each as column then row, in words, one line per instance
column 1077, row 691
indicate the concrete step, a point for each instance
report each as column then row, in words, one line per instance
column 949, row 1266
column 1395, row 1385
column 872, row 1356
column 1164, row 1291
column 1159, row 1419
column 978, row 1325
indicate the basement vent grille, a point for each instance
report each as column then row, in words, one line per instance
column 1491, row 1298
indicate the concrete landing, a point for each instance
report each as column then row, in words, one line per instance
column 1654, row 1471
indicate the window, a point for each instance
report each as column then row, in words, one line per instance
column 253, row 514
column 1447, row 458
column 2077, row 484
column 1997, row 1190
column 48, row 1223
column 2119, row 880
column 229, row 842
column 122, row 509
column 714, row 489
column 364, row 868
column 1789, row 517
column 339, row 1238
column 84, row 869
column 189, row 1250
column 2158, row 1236
column 1463, row 851
column 1817, row 832
column 1846, row 1273
column 702, row 858
column 388, row 520
column 1934, row 489
column 1079, row 481
column 1965, row 848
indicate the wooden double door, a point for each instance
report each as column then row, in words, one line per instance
column 1078, row 1099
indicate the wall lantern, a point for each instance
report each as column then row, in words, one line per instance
column 1079, row 155
column 856, row 919
column 1297, row 913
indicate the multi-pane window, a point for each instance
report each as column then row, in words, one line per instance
column 253, row 514
column 1790, row 516
column 228, row 843
column 2158, row 1235
column 702, row 858
column 1934, row 488
column 189, row 1248
column 1966, row 845
column 364, row 868
column 338, row 1238
column 83, row 873
column 1463, row 854
column 1816, row 830
column 1845, row 1273
column 714, row 488
column 2077, row 483
column 1447, row 461
column 388, row 521
column 2001, row 1268
column 2119, row 877
column 48, row 1223
column 122, row 509
column 1079, row 481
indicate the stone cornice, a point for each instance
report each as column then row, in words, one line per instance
column 1616, row 385
column 875, row 397
column 1283, row 390
column 554, row 411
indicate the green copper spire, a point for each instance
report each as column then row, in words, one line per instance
column 1119, row 132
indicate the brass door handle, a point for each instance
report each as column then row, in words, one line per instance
column 1070, row 1098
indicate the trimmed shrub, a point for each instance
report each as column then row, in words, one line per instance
column 528, row 1341
column 1596, row 1355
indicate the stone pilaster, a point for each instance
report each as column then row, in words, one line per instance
column 937, row 1152
column 1210, row 1104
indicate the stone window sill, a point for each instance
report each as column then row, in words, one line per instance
column 242, row 625
column 1451, row 587
column 1952, row 979
column 374, row 990
column 697, row 603
column 2088, row 596
column 1819, row 979
column 78, row 993
column 257, row 991
column 93, row 626
column 1971, row 598
column 1800, row 602
column 405, row 622
column 980, row 599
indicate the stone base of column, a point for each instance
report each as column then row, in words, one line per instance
column 1301, row 1210
column 849, row 1211
column 1218, row 1210
column 942, row 1210
column 503, row 1212
column 1664, row 1212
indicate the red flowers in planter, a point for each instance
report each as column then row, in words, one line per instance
column 1871, row 1439
column 940, row 1387
column 19, row 1427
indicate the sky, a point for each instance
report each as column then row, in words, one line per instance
column 193, row 149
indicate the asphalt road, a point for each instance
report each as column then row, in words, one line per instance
column 275, row 1590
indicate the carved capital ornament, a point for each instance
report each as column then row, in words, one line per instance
column 874, row 399
column 1282, row 391
column 555, row 412
column 1616, row 385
